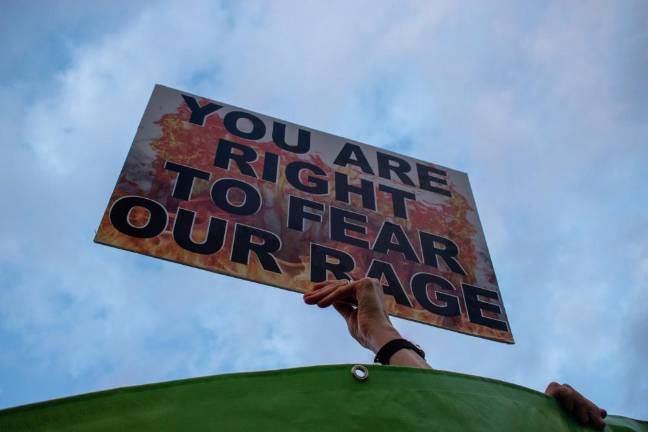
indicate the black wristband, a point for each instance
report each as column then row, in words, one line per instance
column 385, row 353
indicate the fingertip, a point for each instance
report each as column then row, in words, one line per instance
column 324, row 303
column 307, row 300
column 595, row 418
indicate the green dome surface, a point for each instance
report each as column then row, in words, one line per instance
column 319, row 398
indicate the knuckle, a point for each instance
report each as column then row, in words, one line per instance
column 371, row 282
column 555, row 389
column 365, row 282
column 567, row 389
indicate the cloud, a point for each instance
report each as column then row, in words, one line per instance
column 519, row 99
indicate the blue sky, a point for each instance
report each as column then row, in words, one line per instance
column 544, row 105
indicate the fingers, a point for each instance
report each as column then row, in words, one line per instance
column 314, row 297
column 596, row 416
column 562, row 394
column 566, row 398
column 328, row 282
column 581, row 414
column 320, row 285
column 551, row 389
column 321, row 290
column 594, row 413
column 342, row 292
column 581, row 408
column 326, row 293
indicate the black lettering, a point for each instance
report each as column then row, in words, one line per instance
column 270, row 166
column 185, row 180
column 320, row 263
column 297, row 213
column 474, row 307
column 183, row 228
column 379, row 269
column 225, row 153
column 279, row 138
column 420, row 282
column 317, row 186
column 388, row 164
column 448, row 252
column 231, row 121
column 365, row 190
column 339, row 227
column 384, row 241
column 427, row 175
column 156, row 223
column 198, row 113
column 243, row 245
column 344, row 158
column 250, row 205
column 398, row 199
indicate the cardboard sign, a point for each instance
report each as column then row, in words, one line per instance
column 239, row 193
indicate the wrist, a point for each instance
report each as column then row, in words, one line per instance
column 380, row 336
column 392, row 351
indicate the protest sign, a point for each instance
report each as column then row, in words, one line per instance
column 239, row 193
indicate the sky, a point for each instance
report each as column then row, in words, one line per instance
column 543, row 104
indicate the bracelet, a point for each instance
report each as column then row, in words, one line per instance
column 385, row 353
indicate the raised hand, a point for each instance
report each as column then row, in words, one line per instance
column 362, row 304
column 368, row 321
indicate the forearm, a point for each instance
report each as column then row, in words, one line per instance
column 409, row 358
